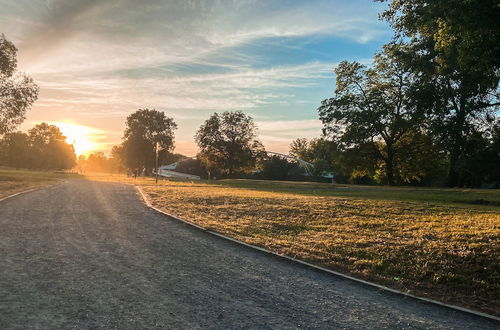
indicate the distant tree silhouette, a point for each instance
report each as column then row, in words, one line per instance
column 116, row 162
column 145, row 128
column 15, row 150
column 43, row 148
column 17, row 90
column 98, row 162
column 228, row 142
column 48, row 148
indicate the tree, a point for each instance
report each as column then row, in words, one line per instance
column 48, row 148
column 301, row 148
column 458, row 33
column 358, row 164
column 15, row 150
column 453, row 47
column 97, row 162
column 44, row 147
column 116, row 162
column 372, row 106
column 228, row 142
column 17, row 90
column 420, row 162
column 146, row 129
column 321, row 152
column 81, row 163
column 480, row 166
column 276, row 168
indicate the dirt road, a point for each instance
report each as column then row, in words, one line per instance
column 91, row 255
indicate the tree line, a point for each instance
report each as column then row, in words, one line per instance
column 43, row 147
column 424, row 112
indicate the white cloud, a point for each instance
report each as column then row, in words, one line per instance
column 101, row 60
column 240, row 89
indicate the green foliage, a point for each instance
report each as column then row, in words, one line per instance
column 421, row 161
column 276, row 168
column 358, row 164
column 481, row 164
column 314, row 150
column 460, row 33
column 321, row 152
column 145, row 130
column 372, row 106
column 228, row 143
column 427, row 107
column 17, row 90
column 453, row 47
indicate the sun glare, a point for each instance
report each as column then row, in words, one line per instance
column 83, row 138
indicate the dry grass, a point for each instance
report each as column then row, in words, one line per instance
column 446, row 250
column 13, row 181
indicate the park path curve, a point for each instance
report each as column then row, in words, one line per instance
column 92, row 255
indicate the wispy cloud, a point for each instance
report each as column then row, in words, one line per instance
column 285, row 126
column 104, row 59
column 239, row 89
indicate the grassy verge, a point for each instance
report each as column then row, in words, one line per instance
column 13, row 181
column 439, row 243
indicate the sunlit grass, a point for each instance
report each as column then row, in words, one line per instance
column 434, row 242
column 13, row 181
column 433, row 195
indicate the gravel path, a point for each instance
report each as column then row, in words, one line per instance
column 91, row 255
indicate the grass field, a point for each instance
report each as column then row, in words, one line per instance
column 439, row 243
column 13, row 181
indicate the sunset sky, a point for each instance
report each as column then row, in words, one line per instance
column 98, row 61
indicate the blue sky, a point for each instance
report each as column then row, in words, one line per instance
column 98, row 61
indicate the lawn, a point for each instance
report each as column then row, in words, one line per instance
column 439, row 243
column 13, row 181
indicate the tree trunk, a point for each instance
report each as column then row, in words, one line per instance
column 453, row 174
column 389, row 164
column 457, row 147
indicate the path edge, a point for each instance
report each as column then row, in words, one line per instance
column 316, row 267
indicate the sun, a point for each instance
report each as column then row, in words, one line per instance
column 83, row 138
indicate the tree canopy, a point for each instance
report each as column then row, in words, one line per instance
column 372, row 106
column 454, row 48
column 228, row 142
column 428, row 106
column 145, row 130
column 460, row 33
column 17, row 90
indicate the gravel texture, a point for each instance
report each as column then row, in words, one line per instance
column 92, row 255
